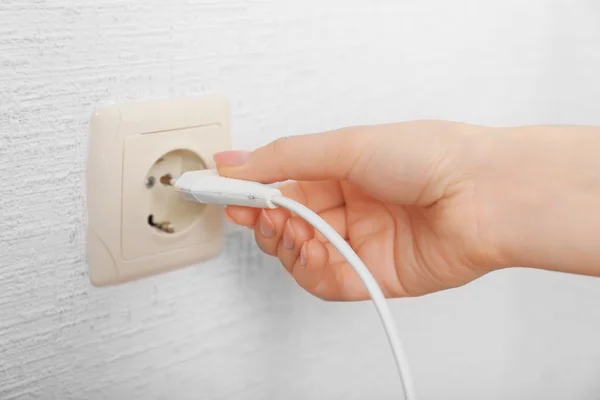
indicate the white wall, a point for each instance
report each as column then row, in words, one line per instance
column 238, row 327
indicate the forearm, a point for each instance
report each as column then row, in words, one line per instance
column 542, row 190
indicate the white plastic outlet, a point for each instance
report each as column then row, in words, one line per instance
column 136, row 225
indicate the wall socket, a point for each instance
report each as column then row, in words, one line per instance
column 136, row 225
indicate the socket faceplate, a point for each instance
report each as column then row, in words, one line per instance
column 129, row 144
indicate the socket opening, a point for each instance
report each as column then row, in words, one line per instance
column 164, row 226
column 166, row 179
column 168, row 212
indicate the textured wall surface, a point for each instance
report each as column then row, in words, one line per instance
column 237, row 326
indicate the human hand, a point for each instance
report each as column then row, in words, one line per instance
column 400, row 194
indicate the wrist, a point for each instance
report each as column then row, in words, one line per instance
column 539, row 188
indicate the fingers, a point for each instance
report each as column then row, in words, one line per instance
column 244, row 216
column 314, row 263
column 336, row 218
column 318, row 196
column 315, row 273
column 320, row 156
column 305, row 254
column 310, row 267
column 296, row 233
column 268, row 229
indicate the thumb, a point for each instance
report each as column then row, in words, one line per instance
column 319, row 156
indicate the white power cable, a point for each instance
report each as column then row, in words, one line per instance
column 207, row 187
column 370, row 283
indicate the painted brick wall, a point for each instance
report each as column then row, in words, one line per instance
column 237, row 326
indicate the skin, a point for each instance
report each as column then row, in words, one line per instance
column 427, row 205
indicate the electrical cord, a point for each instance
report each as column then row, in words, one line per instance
column 370, row 283
column 207, row 187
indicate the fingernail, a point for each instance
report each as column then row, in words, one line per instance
column 289, row 236
column 266, row 226
column 303, row 254
column 231, row 158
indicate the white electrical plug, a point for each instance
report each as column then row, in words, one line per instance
column 208, row 187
